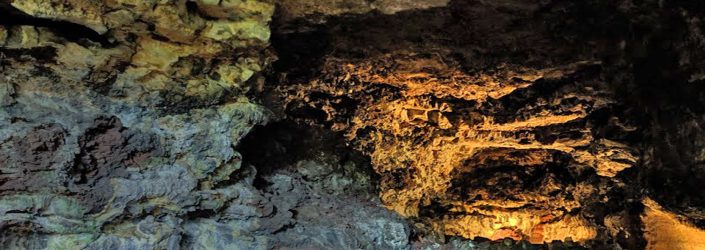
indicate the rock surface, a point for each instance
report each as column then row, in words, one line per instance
column 118, row 130
column 351, row 124
column 510, row 119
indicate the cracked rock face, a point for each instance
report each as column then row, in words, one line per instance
column 118, row 129
column 114, row 115
column 508, row 119
column 474, row 148
column 351, row 124
column 449, row 143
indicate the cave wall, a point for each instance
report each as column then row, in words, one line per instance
column 349, row 124
column 118, row 129
column 532, row 120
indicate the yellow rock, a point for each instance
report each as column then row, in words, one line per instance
column 204, row 88
column 85, row 12
column 159, row 46
column 158, row 55
column 248, row 29
column 175, row 23
column 663, row 230
column 118, row 18
column 233, row 9
column 76, row 56
column 23, row 37
column 537, row 229
column 229, row 75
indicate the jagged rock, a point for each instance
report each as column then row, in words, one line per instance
column 123, row 135
column 504, row 151
column 110, row 133
column 398, row 124
column 489, row 119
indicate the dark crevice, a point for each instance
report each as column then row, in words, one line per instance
column 666, row 108
column 38, row 54
column 70, row 31
column 300, row 53
column 280, row 145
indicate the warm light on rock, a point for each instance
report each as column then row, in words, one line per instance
column 352, row 124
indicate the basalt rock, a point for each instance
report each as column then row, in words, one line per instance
column 120, row 117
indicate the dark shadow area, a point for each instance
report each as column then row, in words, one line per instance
column 477, row 36
column 668, row 109
column 10, row 16
column 280, row 145
column 300, row 52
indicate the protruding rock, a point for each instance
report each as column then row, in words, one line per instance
column 85, row 12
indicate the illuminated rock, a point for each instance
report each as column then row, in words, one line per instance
column 666, row 230
column 508, row 119
column 441, row 146
column 386, row 124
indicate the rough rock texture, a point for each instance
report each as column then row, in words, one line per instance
column 531, row 120
column 114, row 114
column 364, row 124
column 666, row 231
column 118, row 129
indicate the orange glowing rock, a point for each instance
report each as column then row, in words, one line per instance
column 476, row 155
column 665, row 230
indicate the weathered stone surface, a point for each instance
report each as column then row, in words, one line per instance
column 110, row 135
column 397, row 124
column 500, row 151
column 125, row 138
column 502, row 119
column 84, row 12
